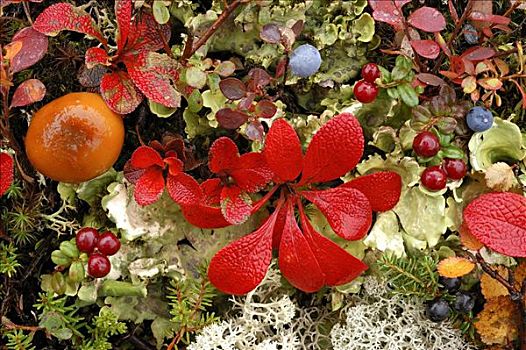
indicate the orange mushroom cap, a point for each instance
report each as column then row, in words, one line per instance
column 74, row 138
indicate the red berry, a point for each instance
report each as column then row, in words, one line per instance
column 108, row 243
column 456, row 169
column 434, row 178
column 86, row 239
column 370, row 72
column 426, row 144
column 365, row 92
column 98, row 265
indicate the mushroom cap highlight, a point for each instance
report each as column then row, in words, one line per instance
column 74, row 138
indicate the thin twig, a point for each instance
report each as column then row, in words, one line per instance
column 213, row 28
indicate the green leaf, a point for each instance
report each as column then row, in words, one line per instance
column 160, row 12
column 195, row 101
column 160, row 110
column 452, row 151
column 402, row 68
column 408, row 94
column 195, row 77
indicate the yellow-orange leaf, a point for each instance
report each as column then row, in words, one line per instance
column 491, row 288
column 455, row 267
column 498, row 323
column 468, row 240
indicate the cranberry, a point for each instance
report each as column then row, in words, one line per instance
column 108, row 243
column 98, row 265
column 86, row 239
column 434, row 178
column 426, row 144
column 456, row 169
column 365, row 92
column 370, row 72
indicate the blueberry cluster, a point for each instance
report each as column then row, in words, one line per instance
column 98, row 247
column 439, row 309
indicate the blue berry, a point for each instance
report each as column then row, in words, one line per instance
column 450, row 284
column 479, row 119
column 305, row 61
column 464, row 303
column 470, row 34
column 438, row 310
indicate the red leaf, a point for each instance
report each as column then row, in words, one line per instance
column 389, row 12
column 478, row 53
column 236, row 205
column 232, row 88
column 251, row 173
column 427, row 19
column 231, row 119
column 144, row 35
column 334, row 150
column 30, row 91
column 144, row 157
column 96, row 56
column 426, row 48
column 296, row 259
column 155, row 75
column 34, row 47
column 430, row 79
column 212, row 191
column 266, row 109
column 259, row 77
column 120, row 93
column 123, row 12
column 278, row 228
column 382, row 189
column 280, row 68
column 490, row 18
column 63, row 16
column 347, row 210
column 453, row 11
column 499, row 221
column 240, row 266
column 270, row 33
column 6, row 172
column 204, row 216
column 223, row 155
column 184, row 189
column 522, row 91
column 175, row 165
column 338, row 266
column 150, row 187
column 282, row 151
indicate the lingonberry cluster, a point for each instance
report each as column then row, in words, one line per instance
column 366, row 90
column 426, row 144
column 98, row 246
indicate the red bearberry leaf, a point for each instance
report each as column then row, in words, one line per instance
column 63, row 16
column 426, row 48
column 204, row 216
column 30, row 91
column 175, row 165
column 6, row 172
column 266, row 109
column 259, row 78
column 144, row 35
column 489, row 18
column 334, row 150
column 184, row 189
column 430, row 79
column 120, row 93
column 150, row 186
column 427, row 19
column 282, row 151
column 132, row 174
column 232, row 88
column 223, row 155
column 34, row 47
column 212, row 191
column 278, row 228
column 251, row 173
column 240, row 266
column 478, row 53
column 96, row 56
column 338, row 266
column 499, row 221
column 236, row 205
column 382, row 189
column 144, row 157
column 155, row 75
column 389, row 12
column 231, row 119
column 270, row 33
column 347, row 210
column 296, row 259
column 123, row 12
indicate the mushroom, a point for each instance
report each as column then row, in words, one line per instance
column 74, row 138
